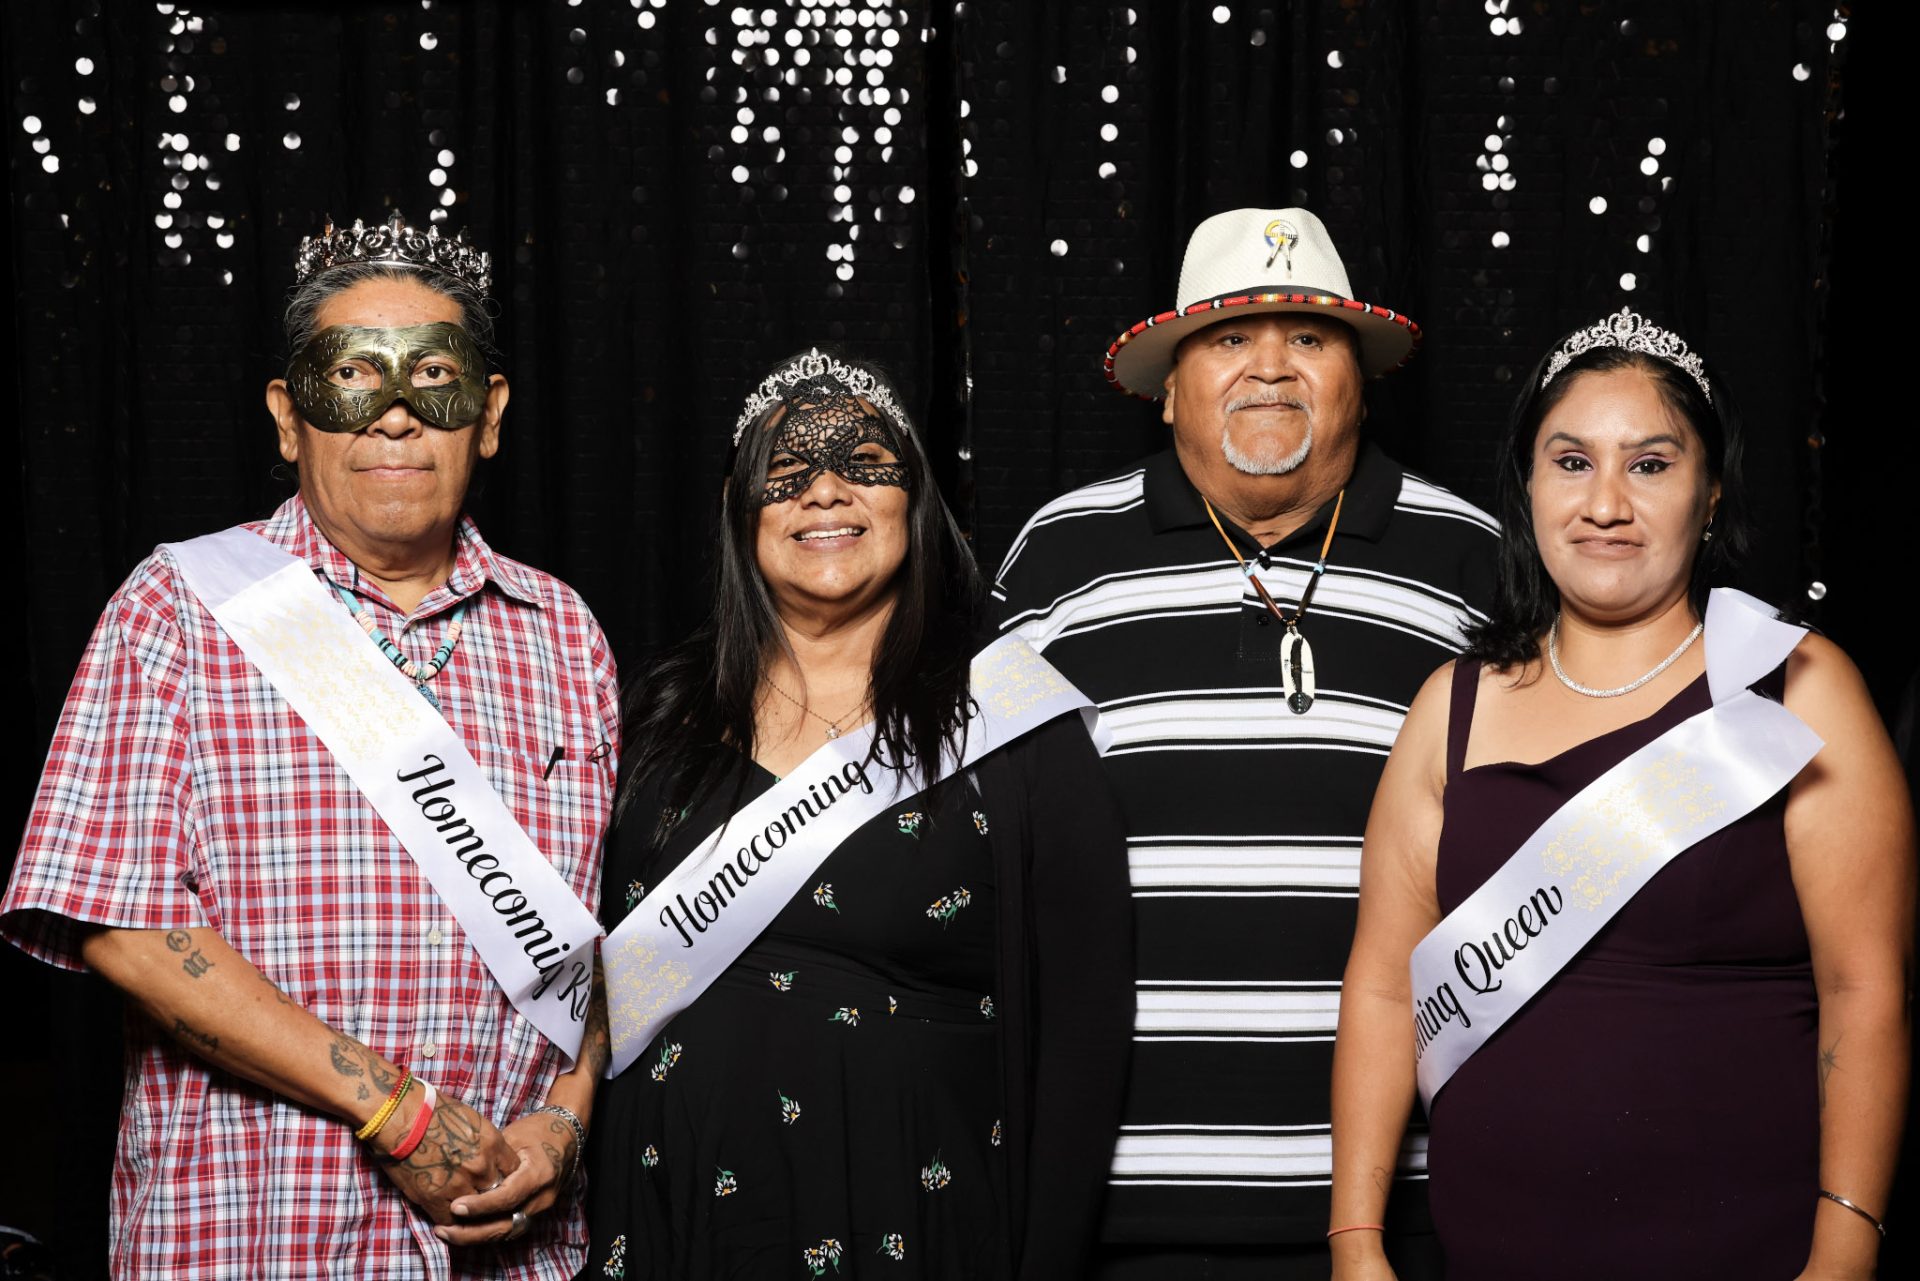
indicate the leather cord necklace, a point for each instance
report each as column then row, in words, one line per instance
column 1296, row 656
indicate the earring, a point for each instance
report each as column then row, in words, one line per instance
column 1707, row 537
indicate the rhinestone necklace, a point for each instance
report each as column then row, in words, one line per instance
column 1553, row 656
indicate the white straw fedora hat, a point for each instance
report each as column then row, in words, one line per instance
column 1255, row 260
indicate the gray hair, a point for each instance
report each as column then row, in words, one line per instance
column 304, row 300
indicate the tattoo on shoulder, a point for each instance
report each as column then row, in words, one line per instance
column 193, row 1038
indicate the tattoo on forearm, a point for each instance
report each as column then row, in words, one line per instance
column 193, row 1038
column 1382, row 1181
column 178, row 940
column 1827, row 1065
column 196, row 965
column 597, row 1045
column 341, row 1052
column 280, row 996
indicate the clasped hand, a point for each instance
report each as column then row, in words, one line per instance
column 469, row 1177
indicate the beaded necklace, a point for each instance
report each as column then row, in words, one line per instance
column 418, row 673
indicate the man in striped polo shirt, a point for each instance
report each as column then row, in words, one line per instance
column 1253, row 609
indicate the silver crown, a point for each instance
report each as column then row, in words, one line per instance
column 395, row 243
column 1633, row 332
column 776, row 386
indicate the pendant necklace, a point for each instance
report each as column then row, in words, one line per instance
column 832, row 723
column 418, row 673
column 1296, row 656
column 1553, row 656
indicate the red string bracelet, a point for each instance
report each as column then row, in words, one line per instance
column 418, row 1130
column 1358, row 1227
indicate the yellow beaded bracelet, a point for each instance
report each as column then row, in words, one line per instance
column 379, row 1119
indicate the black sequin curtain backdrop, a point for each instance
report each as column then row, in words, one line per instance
column 980, row 195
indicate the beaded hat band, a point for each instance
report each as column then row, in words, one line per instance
column 1630, row 331
column 396, row 244
column 813, row 373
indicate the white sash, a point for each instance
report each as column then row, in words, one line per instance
column 534, row 934
column 1503, row 944
column 691, row 926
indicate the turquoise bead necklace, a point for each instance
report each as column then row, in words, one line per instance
column 418, row 673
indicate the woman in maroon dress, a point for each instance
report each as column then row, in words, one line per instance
column 1714, row 1085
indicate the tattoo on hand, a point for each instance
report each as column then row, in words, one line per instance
column 194, row 1038
column 1827, row 1065
column 178, row 940
column 197, row 964
column 360, row 1091
column 453, row 1132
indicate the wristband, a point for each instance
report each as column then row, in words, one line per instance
column 379, row 1119
column 418, row 1130
column 1357, row 1227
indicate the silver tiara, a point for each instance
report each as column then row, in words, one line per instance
column 395, row 243
column 776, row 387
column 1633, row 332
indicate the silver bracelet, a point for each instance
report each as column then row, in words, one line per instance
column 1878, row 1226
column 579, row 1137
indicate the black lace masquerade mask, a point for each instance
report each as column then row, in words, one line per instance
column 827, row 428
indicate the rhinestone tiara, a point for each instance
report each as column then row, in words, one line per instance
column 395, row 243
column 1633, row 332
column 776, row 386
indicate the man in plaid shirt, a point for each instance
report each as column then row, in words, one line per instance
column 195, row 843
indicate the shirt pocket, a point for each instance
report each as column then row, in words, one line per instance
column 561, row 798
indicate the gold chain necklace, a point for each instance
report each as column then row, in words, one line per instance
column 832, row 723
column 1296, row 656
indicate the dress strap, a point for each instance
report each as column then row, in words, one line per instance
column 1466, row 689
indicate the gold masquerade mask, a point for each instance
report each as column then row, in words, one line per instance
column 348, row 375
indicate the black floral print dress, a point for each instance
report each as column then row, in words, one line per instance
column 831, row 1106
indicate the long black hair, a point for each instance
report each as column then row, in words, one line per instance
column 1526, row 600
column 700, row 695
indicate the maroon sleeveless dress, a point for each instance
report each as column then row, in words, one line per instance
column 1654, row 1111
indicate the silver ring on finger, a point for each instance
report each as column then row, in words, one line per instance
column 519, row 1228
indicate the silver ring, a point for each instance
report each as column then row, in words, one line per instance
column 519, row 1227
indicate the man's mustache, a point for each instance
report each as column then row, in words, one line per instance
column 1263, row 402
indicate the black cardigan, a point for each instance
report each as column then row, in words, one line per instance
column 1066, row 955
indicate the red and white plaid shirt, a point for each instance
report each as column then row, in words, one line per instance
column 182, row 792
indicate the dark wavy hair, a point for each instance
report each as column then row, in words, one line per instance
column 699, row 696
column 1526, row 601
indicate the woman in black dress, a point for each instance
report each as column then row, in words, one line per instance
column 914, row 1071
column 1713, row 1085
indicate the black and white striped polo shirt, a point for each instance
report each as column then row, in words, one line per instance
column 1244, row 819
